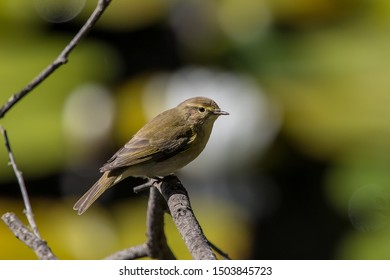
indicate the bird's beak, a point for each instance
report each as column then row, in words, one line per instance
column 219, row 112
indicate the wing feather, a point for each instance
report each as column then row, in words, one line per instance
column 165, row 144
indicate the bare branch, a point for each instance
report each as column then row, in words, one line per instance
column 39, row 246
column 31, row 239
column 132, row 253
column 60, row 60
column 179, row 205
column 28, row 209
column 173, row 195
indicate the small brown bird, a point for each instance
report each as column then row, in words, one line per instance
column 167, row 143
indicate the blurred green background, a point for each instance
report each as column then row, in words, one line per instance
column 300, row 168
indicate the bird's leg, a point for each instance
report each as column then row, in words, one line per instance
column 147, row 185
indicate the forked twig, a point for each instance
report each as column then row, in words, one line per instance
column 31, row 239
column 28, row 209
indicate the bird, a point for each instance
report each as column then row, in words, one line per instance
column 170, row 141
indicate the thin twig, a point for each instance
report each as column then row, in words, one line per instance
column 28, row 209
column 60, row 60
column 39, row 246
column 156, row 240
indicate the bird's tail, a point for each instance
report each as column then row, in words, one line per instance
column 93, row 193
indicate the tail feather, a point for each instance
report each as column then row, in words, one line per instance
column 94, row 192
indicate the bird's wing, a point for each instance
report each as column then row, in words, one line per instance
column 141, row 149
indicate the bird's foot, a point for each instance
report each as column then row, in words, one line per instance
column 147, row 185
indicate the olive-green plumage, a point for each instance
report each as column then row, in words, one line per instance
column 167, row 143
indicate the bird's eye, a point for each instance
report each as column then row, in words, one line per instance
column 201, row 109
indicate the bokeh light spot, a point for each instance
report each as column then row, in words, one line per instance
column 58, row 11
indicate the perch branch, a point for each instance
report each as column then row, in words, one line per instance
column 180, row 208
column 176, row 198
column 60, row 60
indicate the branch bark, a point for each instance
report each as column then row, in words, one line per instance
column 170, row 192
column 39, row 246
column 132, row 253
column 179, row 205
column 156, row 241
